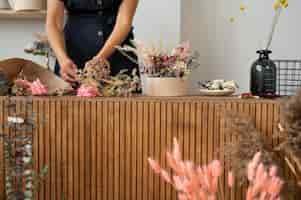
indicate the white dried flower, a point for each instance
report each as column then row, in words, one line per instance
column 15, row 120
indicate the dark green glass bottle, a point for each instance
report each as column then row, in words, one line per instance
column 263, row 75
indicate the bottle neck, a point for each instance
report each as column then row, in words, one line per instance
column 264, row 54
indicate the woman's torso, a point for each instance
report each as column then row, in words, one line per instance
column 91, row 5
column 89, row 24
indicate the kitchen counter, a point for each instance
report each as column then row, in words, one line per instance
column 98, row 148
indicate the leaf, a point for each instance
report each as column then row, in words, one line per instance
column 44, row 171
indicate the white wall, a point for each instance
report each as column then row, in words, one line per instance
column 158, row 20
column 155, row 20
column 15, row 35
column 227, row 50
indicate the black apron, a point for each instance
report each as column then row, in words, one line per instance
column 88, row 26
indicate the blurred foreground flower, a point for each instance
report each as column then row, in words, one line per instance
column 202, row 182
column 191, row 181
column 242, row 8
column 263, row 182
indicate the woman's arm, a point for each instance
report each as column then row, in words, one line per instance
column 55, row 27
column 121, row 29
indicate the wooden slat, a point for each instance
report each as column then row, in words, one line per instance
column 87, row 149
column 110, row 149
column 139, row 150
column 82, row 154
column 2, row 165
column 105, row 161
column 186, row 130
column 210, row 133
column 94, row 155
column 199, row 124
column 99, row 151
column 151, row 148
column 53, row 148
column 163, row 146
column 204, row 156
column 123, row 136
column 116, row 142
column 58, row 141
column 47, row 146
column 41, row 153
column 169, row 138
column 73, row 130
column 134, row 152
column 128, row 146
column 157, row 152
column 65, row 177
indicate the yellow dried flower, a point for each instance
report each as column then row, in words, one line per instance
column 277, row 5
column 232, row 19
column 282, row 1
column 285, row 5
column 242, row 8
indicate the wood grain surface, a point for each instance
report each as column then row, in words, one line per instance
column 97, row 149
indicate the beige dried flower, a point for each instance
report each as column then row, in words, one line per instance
column 291, row 123
column 248, row 141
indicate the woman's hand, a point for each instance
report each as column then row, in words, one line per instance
column 68, row 70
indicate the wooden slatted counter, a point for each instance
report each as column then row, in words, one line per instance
column 97, row 149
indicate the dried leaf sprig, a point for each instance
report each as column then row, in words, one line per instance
column 21, row 180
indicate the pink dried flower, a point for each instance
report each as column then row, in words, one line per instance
column 273, row 171
column 264, row 183
column 87, row 91
column 182, row 51
column 257, row 158
column 154, row 165
column 165, row 176
column 192, row 182
column 231, row 179
column 176, row 150
column 37, row 88
column 216, row 168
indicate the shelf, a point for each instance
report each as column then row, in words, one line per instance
column 11, row 14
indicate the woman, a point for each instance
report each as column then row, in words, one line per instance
column 93, row 30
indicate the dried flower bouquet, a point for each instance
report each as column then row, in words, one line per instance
column 157, row 62
column 95, row 80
